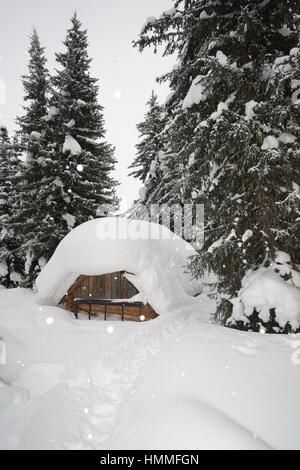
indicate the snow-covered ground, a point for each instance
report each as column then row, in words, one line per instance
column 175, row 382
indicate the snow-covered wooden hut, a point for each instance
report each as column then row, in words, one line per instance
column 120, row 266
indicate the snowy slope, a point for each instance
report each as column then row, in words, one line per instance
column 215, row 388
column 183, row 381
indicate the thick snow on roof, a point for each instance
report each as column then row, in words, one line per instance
column 153, row 256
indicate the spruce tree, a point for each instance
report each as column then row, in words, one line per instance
column 233, row 131
column 10, row 267
column 64, row 180
column 147, row 164
column 84, row 159
column 36, row 88
column 34, row 227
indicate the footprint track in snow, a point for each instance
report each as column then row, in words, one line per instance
column 246, row 351
column 114, row 376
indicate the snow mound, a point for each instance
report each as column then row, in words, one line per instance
column 196, row 93
column 221, row 58
column 53, row 111
column 71, row 145
column 70, row 219
column 70, row 124
column 281, row 257
column 35, row 135
column 154, row 258
column 185, row 423
column 270, row 142
column 249, row 109
column 286, row 138
column 266, row 289
column 170, row 12
column 204, row 15
column 149, row 21
column 247, row 235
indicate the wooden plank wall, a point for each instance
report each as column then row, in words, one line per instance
column 107, row 286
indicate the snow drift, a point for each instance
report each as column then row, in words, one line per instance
column 275, row 287
column 154, row 258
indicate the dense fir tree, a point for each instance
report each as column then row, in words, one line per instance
column 147, row 163
column 10, row 266
column 85, row 160
column 66, row 174
column 36, row 88
column 233, row 130
column 30, row 220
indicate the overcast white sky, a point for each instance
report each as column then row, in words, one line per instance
column 126, row 77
